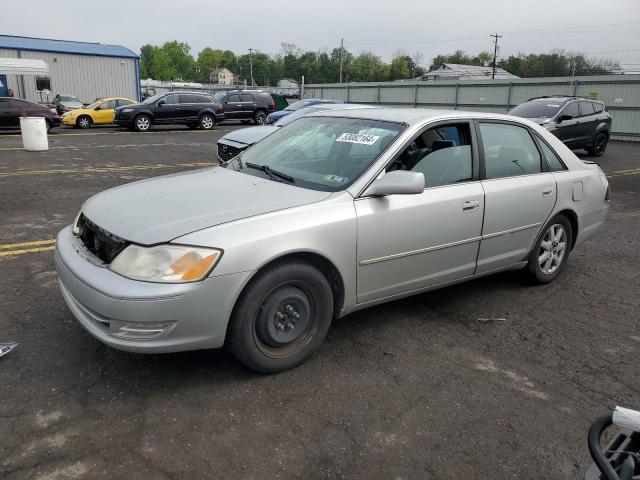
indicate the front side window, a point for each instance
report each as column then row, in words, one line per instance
column 122, row 103
column 509, row 151
column 321, row 153
column 598, row 107
column 171, row 99
column 546, row 108
column 572, row 110
column 442, row 154
column 109, row 105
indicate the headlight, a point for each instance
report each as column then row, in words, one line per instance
column 127, row 110
column 166, row 263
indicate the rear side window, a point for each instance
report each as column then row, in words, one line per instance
column 233, row 98
column 246, row 97
column 553, row 161
column 122, row 103
column 509, row 151
column 586, row 108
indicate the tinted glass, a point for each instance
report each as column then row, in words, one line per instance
column 219, row 97
column 508, row 151
column 553, row 161
column 43, row 83
column 537, row 109
column 586, row 108
column 571, row 109
column 188, row 99
column 122, row 103
column 171, row 99
column 153, row 98
column 233, row 98
column 245, row 97
column 322, row 153
column 111, row 104
column 598, row 107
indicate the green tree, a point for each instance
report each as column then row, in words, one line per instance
column 146, row 60
column 161, row 66
column 208, row 60
column 181, row 59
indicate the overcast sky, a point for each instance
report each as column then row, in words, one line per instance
column 609, row 28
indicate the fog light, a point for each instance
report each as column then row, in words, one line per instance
column 139, row 331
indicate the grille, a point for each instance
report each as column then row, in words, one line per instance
column 104, row 245
column 227, row 152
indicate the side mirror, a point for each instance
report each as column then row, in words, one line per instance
column 564, row 118
column 160, row 103
column 397, row 182
column 98, row 108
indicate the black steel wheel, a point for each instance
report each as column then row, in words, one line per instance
column 599, row 145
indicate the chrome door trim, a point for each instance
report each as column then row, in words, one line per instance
column 511, row 230
column 419, row 251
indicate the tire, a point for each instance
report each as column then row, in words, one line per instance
column 207, row 121
column 260, row 117
column 551, row 251
column 599, row 145
column 84, row 121
column 142, row 123
column 287, row 296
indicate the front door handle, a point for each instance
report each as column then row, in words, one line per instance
column 470, row 205
column 547, row 191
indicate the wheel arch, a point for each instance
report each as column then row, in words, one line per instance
column 573, row 219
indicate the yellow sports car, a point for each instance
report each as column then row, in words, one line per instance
column 99, row 112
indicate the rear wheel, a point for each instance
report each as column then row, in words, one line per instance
column 84, row 121
column 142, row 123
column 599, row 145
column 207, row 122
column 551, row 251
column 260, row 117
column 281, row 318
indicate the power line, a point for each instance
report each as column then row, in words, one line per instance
column 495, row 53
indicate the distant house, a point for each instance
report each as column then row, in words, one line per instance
column 223, row 76
column 456, row 71
column 287, row 83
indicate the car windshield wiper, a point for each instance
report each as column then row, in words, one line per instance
column 270, row 171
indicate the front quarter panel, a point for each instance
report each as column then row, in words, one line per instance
column 326, row 228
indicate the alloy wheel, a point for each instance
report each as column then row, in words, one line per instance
column 206, row 122
column 552, row 249
column 143, row 123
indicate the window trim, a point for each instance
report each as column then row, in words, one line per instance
column 544, row 168
column 538, row 138
column 570, row 102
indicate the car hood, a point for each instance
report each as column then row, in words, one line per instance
column 250, row 135
column 161, row 209
column 72, row 104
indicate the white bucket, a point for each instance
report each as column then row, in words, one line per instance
column 34, row 134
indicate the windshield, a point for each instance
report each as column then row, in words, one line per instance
column 153, row 99
column 537, row 109
column 68, row 98
column 94, row 104
column 297, row 114
column 321, row 153
column 218, row 97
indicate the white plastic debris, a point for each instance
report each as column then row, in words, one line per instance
column 626, row 418
column 6, row 348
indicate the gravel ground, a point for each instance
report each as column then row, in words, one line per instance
column 488, row 379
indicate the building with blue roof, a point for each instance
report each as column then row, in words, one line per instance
column 82, row 69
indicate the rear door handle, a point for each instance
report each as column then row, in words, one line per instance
column 547, row 191
column 470, row 205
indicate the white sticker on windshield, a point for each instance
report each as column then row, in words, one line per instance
column 553, row 105
column 358, row 138
column 335, row 178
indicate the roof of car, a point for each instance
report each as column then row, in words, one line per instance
column 410, row 116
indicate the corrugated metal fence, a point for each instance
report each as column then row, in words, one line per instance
column 620, row 93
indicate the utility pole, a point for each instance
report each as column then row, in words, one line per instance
column 341, row 54
column 495, row 53
column 251, row 64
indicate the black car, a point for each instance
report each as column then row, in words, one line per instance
column 246, row 105
column 11, row 109
column 186, row 108
column 578, row 122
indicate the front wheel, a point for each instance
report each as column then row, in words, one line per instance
column 142, row 123
column 551, row 251
column 83, row 121
column 207, row 122
column 599, row 145
column 281, row 318
column 260, row 117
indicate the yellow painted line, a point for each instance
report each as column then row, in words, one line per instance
column 4, row 246
column 624, row 174
column 130, row 145
column 27, row 250
column 128, row 168
column 625, row 171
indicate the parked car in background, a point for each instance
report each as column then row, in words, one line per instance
column 186, row 108
column 238, row 141
column 66, row 103
column 280, row 101
column 581, row 123
column 11, row 109
column 246, row 105
column 100, row 112
column 336, row 212
column 275, row 116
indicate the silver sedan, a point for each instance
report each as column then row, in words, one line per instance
column 333, row 213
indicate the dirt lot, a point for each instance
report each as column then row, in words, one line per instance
column 489, row 379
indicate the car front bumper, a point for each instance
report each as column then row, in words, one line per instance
column 68, row 121
column 112, row 308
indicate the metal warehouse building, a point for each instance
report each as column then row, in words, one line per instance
column 85, row 70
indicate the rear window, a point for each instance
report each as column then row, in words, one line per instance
column 537, row 109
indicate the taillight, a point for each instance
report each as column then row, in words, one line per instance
column 273, row 104
column 222, row 108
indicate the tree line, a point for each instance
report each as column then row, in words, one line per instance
column 174, row 61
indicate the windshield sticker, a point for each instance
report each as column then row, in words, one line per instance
column 553, row 105
column 358, row 138
column 335, row 178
